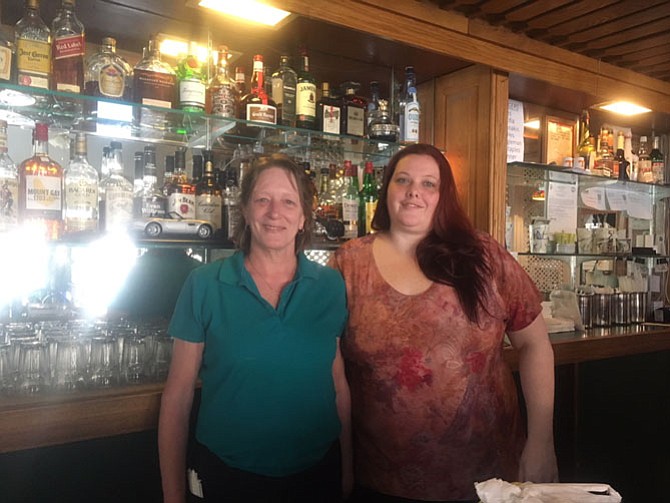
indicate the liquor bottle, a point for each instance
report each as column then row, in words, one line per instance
column 644, row 173
column 257, row 106
column 67, row 50
column 222, row 93
column 241, row 80
column 353, row 110
column 9, row 185
column 230, row 217
column 181, row 193
column 138, row 175
column 368, row 200
column 604, row 164
column 108, row 75
column 150, row 201
column 585, row 149
column 41, row 187
column 168, row 177
column 196, row 170
column 330, row 207
column 7, row 58
column 33, row 48
column 284, row 82
column 657, row 161
column 81, row 191
column 620, row 159
column 117, row 207
column 373, row 103
column 382, row 127
column 191, row 82
column 328, row 111
column 154, row 84
column 322, row 192
column 350, row 201
column 208, row 194
column 410, row 111
column 305, row 101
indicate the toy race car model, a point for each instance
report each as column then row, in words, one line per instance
column 175, row 225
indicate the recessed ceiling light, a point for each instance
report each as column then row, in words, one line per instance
column 251, row 10
column 624, row 108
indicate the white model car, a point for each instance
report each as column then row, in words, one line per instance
column 175, row 225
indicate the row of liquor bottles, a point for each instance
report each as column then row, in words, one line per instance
column 53, row 58
column 82, row 199
column 600, row 157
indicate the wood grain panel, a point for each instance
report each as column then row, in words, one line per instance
column 568, row 13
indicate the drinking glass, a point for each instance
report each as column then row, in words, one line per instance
column 133, row 361
column 70, row 365
column 33, row 367
column 104, row 366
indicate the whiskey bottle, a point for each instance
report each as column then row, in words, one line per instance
column 350, row 201
column 284, row 82
column 644, row 173
column 620, row 158
column 81, row 191
column 33, row 48
column 353, row 111
column 117, row 207
column 222, row 94
column 168, row 177
column 368, row 200
column 208, row 196
column 196, row 170
column 585, row 149
column 191, row 82
column 150, row 202
column 305, row 102
column 382, row 127
column 181, row 195
column 230, row 209
column 108, row 75
column 154, row 84
column 7, row 58
column 657, row 162
column 328, row 111
column 9, row 185
column 410, row 111
column 138, row 174
column 41, row 187
column 257, row 106
column 373, row 104
column 241, row 80
column 67, row 50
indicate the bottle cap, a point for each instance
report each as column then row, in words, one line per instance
column 41, row 132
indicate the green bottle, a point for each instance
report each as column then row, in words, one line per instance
column 368, row 200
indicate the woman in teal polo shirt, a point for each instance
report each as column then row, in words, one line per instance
column 261, row 331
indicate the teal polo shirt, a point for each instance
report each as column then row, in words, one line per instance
column 268, row 397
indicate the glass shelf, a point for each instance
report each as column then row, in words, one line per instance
column 596, row 256
column 23, row 106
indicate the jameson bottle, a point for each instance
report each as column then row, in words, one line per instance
column 33, row 48
column 41, row 187
column 81, row 191
column 181, row 194
column 67, row 50
column 208, row 194
column 305, row 102
column 284, row 82
column 9, row 185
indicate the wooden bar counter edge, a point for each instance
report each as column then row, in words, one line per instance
column 39, row 421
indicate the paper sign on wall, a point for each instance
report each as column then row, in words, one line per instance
column 515, row 131
column 562, row 207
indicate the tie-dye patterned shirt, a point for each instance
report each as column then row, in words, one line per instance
column 434, row 405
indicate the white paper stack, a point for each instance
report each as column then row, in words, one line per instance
column 499, row 491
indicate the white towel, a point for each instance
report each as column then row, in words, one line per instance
column 499, row 491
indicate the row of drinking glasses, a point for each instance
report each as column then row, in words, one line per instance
column 73, row 355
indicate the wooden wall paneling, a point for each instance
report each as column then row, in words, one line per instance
column 426, row 93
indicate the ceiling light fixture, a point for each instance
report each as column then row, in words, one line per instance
column 624, row 108
column 532, row 124
column 175, row 47
column 251, row 10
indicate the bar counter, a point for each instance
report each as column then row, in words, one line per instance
column 50, row 419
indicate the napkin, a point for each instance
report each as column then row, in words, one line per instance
column 499, row 491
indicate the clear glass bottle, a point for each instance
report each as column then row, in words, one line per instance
column 305, row 100
column 7, row 58
column 138, row 175
column 154, row 84
column 33, row 48
column 108, row 75
column 382, row 127
column 657, row 161
column 284, row 82
column 208, row 194
column 222, row 95
column 81, row 191
column 373, row 103
column 117, row 207
column 150, row 201
column 328, row 111
column 9, row 185
column 350, row 201
column 410, row 111
column 41, row 187
column 67, row 50
column 257, row 106
column 353, row 110
column 181, row 197
column 191, row 81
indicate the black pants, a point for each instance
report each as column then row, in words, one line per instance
column 224, row 484
column 364, row 495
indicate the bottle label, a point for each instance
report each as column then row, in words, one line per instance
column 257, row 112
column 33, row 56
column 223, row 101
column 111, row 81
column 350, row 217
column 5, row 63
column 355, row 121
column 192, row 93
column 644, row 173
column 154, row 88
column 370, row 208
column 231, row 217
column 331, row 116
column 658, row 171
column 153, row 207
column 411, row 122
column 69, row 47
column 44, row 193
column 118, row 208
column 305, row 107
column 278, row 90
column 9, row 198
column 182, row 204
column 208, row 207
column 81, row 206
